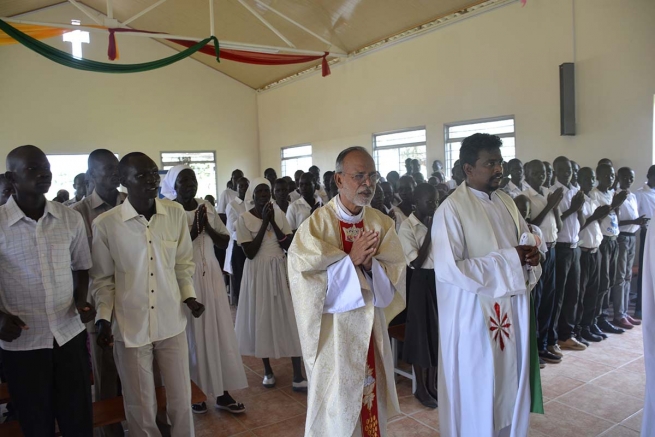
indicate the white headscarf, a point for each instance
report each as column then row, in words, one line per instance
column 250, row 194
column 168, row 183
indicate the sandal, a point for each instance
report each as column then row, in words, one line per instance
column 199, row 408
column 234, row 408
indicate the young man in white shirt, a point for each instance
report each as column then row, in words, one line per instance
column 646, row 202
column 516, row 185
column 629, row 224
column 321, row 191
column 301, row 209
column 609, row 226
column 142, row 273
column 79, row 183
column 227, row 196
column 591, row 238
column 545, row 214
column 235, row 258
column 44, row 259
column 567, row 264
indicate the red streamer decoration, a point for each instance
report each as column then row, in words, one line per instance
column 261, row 58
column 255, row 58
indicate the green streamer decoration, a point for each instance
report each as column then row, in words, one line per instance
column 67, row 60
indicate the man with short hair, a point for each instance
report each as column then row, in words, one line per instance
column 516, row 185
column 457, row 176
column 44, row 262
column 546, row 215
column 575, row 168
column 347, row 280
column 103, row 168
column 235, row 257
column 142, row 277
column 79, row 183
column 485, row 268
column 227, row 196
column 549, row 175
column 270, row 175
column 321, row 191
column 301, row 209
column 6, row 189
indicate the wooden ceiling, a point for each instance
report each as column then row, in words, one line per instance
column 348, row 25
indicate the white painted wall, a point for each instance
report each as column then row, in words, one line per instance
column 185, row 106
column 503, row 62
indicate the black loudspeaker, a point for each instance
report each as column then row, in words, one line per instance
column 567, row 98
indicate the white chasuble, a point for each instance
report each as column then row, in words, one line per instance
column 648, row 308
column 335, row 328
column 484, row 316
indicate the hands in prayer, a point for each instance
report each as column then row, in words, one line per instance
column 87, row 312
column 529, row 255
column 555, row 198
column 364, row 247
column 11, row 327
column 268, row 214
column 196, row 307
column 577, row 201
column 619, row 198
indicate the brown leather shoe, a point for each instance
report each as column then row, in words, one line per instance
column 623, row 323
column 633, row 321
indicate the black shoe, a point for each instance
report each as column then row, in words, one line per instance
column 606, row 326
column 542, row 363
column 582, row 340
column 199, row 408
column 589, row 336
column 549, row 358
column 594, row 329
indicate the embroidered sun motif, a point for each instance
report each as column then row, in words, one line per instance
column 499, row 327
column 351, row 233
column 369, row 388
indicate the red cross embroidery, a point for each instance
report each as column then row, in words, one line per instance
column 500, row 327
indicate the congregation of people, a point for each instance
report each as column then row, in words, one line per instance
column 494, row 273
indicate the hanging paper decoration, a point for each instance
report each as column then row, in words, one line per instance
column 67, row 60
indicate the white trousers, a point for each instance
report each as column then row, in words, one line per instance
column 135, row 367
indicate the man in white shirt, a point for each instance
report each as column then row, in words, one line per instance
column 143, row 267
column 545, row 214
column 235, row 258
column 321, row 191
column 567, row 262
column 79, row 183
column 609, row 250
column 516, row 185
column 44, row 262
column 103, row 167
column 301, row 209
column 483, row 280
column 646, row 202
column 629, row 224
column 591, row 238
column 228, row 195
column 575, row 168
column 457, row 176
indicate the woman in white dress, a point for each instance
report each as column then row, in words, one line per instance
column 215, row 362
column 266, row 324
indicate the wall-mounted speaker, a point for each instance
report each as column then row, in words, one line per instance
column 567, row 98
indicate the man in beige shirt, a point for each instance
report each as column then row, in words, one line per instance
column 103, row 169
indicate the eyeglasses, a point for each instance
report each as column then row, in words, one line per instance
column 359, row 178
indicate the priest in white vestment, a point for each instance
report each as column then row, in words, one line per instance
column 485, row 262
column 648, row 308
column 347, row 280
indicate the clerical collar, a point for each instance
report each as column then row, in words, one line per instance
column 480, row 194
column 345, row 215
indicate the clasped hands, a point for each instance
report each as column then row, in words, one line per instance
column 364, row 247
column 529, row 255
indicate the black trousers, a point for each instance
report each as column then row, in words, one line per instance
column 589, row 292
column 567, row 289
column 609, row 253
column 544, row 298
column 642, row 243
column 238, row 261
column 49, row 384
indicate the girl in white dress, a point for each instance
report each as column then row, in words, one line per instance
column 266, row 324
column 215, row 362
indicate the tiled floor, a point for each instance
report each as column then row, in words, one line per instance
column 597, row 392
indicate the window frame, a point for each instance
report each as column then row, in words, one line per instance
column 448, row 167
column 401, row 171
column 282, row 158
column 213, row 152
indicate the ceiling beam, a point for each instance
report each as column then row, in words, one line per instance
column 85, row 12
column 145, row 11
column 110, row 9
column 266, row 23
column 320, row 38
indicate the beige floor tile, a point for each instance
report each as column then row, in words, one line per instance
column 624, row 381
column 269, row 408
column 602, row 402
column 578, row 367
column 634, row 422
column 429, row 418
column 562, row 421
column 620, row 431
column 557, row 385
column 410, row 405
column 217, row 423
column 636, row 366
column 409, row 427
column 294, row 427
column 610, row 355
